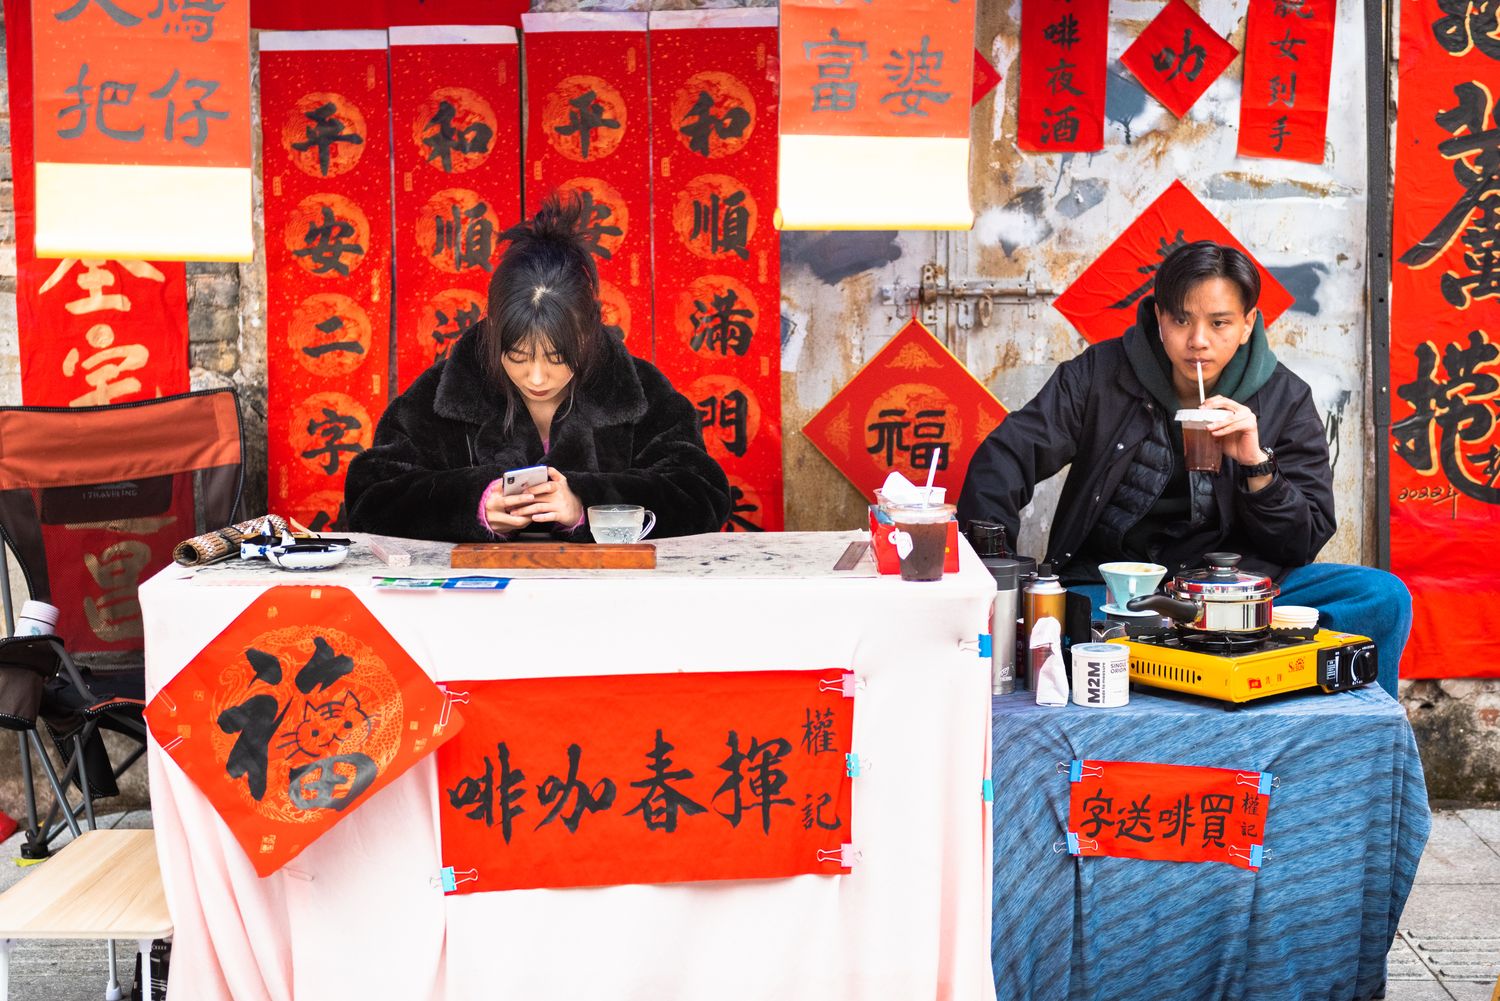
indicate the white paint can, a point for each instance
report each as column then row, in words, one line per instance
column 1101, row 675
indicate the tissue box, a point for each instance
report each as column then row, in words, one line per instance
column 886, row 559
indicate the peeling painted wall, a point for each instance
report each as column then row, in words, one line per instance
column 1046, row 218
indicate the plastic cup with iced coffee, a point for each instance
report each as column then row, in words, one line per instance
column 1204, row 453
column 920, row 537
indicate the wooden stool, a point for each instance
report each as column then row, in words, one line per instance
column 102, row 885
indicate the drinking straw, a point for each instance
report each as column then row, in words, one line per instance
column 937, row 454
column 1200, row 383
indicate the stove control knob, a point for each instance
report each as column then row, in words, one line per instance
column 1364, row 665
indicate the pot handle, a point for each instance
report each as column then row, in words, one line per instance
column 1182, row 611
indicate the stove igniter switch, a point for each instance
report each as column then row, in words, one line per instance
column 1347, row 666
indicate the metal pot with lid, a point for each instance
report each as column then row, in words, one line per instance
column 1222, row 600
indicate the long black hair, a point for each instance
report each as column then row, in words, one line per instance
column 545, row 295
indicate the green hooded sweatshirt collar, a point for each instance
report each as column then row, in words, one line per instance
column 1245, row 374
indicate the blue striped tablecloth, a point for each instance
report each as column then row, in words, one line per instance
column 1344, row 834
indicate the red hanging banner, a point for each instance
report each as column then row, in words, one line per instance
column 882, row 90
column 589, row 137
column 1064, row 50
column 718, row 258
column 91, row 331
column 1178, row 57
column 910, row 405
column 300, row 15
column 657, row 778
column 327, row 166
column 295, row 715
column 1168, row 813
column 456, row 105
column 143, row 130
column 1101, row 303
column 1288, row 63
column 1445, row 338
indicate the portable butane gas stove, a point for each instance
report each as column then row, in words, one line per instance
column 1286, row 660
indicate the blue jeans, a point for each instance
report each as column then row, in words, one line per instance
column 1350, row 599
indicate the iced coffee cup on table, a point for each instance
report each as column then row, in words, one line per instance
column 920, row 536
column 1204, row 453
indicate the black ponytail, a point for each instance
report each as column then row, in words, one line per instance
column 545, row 294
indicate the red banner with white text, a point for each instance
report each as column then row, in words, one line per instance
column 718, row 257
column 91, row 331
column 658, row 778
column 1445, row 338
column 456, row 105
column 1288, row 63
column 1168, row 813
column 327, row 173
column 589, row 138
column 1064, row 49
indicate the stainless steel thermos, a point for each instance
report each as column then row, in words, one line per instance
column 988, row 540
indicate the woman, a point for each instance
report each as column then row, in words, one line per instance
column 537, row 382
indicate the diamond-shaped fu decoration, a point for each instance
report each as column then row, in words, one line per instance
column 295, row 715
column 912, row 399
column 1102, row 302
column 1178, row 56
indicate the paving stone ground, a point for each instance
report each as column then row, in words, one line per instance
column 1448, row 948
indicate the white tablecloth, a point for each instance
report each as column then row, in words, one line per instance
column 357, row 914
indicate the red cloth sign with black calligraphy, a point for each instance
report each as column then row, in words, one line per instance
column 1288, row 62
column 300, row 15
column 297, row 714
column 589, row 136
column 1178, row 57
column 911, row 405
column 327, row 169
column 1445, row 337
column 91, row 331
column 1168, row 813
column 1064, row 49
column 1102, row 302
column 456, row 105
column 718, row 257
column 646, row 778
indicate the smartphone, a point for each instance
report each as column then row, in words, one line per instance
column 518, row 481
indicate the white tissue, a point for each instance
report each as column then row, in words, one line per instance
column 897, row 489
column 1052, row 679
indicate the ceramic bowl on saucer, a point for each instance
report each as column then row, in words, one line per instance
column 309, row 555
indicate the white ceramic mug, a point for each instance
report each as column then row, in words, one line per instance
column 620, row 523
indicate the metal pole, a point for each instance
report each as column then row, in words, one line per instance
column 1378, row 259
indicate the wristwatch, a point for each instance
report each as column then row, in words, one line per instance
column 1261, row 468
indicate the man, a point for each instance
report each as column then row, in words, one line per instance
column 1110, row 414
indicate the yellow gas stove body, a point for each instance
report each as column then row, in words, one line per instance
column 1332, row 661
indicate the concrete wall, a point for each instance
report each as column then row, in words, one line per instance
column 1039, row 217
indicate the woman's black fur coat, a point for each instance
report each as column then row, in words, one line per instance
column 627, row 437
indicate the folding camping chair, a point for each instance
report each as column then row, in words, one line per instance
column 92, row 502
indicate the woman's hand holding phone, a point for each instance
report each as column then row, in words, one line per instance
column 552, row 503
column 499, row 509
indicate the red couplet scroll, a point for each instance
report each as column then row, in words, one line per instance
column 1445, row 338
column 295, row 715
column 456, row 105
column 1168, row 813
column 1064, row 49
column 646, row 779
column 1288, row 63
column 588, row 138
column 718, row 258
column 327, row 163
